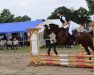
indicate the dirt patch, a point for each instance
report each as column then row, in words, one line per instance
column 15, row 63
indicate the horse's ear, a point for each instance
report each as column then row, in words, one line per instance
column 45, row 25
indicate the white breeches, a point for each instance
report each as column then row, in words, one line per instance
column 73, row 26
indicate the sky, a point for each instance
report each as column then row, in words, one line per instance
column 38, row 9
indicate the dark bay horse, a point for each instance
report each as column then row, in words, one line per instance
column 62, row 38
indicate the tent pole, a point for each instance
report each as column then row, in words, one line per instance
column 6, row 36
column 23, row 38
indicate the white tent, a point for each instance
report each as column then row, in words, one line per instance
column 47, row 22
column 41, row 31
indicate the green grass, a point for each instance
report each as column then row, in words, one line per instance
column 76, row 47
column 23, row 48
column 27, row 48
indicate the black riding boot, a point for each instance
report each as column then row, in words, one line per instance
column 72, row 37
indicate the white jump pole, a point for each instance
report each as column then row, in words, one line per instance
column 34, row 48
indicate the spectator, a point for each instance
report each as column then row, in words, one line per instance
column 9, row 44
column 15, row 43
column 2, row 43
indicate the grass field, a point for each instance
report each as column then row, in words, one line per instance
column 27, row 48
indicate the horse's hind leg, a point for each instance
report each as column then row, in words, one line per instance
column 87, row 50
column 92, row 47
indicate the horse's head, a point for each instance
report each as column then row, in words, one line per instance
column 47, row 31
column 52, row 28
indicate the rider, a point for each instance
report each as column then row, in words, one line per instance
column 67, row 22
column 70, row 24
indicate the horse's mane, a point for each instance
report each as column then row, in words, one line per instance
column 56, row 27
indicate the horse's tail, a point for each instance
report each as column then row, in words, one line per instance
column 91, row 33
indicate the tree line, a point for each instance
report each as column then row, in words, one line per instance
column 6, row 16
column 80, row 16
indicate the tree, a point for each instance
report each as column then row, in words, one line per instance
column 6, row 16
column 64, row 9
column 80, row 16
column 90, row 4
column 18, row 19
column 22, row 19
column 26, row 18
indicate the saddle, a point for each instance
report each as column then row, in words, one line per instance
column 73, row 38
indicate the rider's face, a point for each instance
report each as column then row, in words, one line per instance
column 58, row 14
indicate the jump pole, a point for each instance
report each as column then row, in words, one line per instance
column 34, row 48
column 65, row 55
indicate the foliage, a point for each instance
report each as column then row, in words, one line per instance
column 21, row 19
column 64, row 9
column 6, row 16
column 80, row 16
column 90, row 4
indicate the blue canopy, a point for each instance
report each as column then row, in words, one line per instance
column 18, row 26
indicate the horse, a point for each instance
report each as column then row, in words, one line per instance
column 62, row 38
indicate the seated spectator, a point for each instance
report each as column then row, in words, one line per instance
column 2, row 43
column 9, row 44
column 15, row 43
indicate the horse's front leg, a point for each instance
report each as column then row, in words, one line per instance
column 54, row 47
column 55, row 50
column 49, row 49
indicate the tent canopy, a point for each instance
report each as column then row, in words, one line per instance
column 18, row 26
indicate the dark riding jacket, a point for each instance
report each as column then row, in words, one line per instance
column 67, row 19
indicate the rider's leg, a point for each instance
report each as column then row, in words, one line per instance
column 72, row 37
column 70, row 31
column 73, row 26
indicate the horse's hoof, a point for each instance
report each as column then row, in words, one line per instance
column 85, row 53
column 56, row 54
